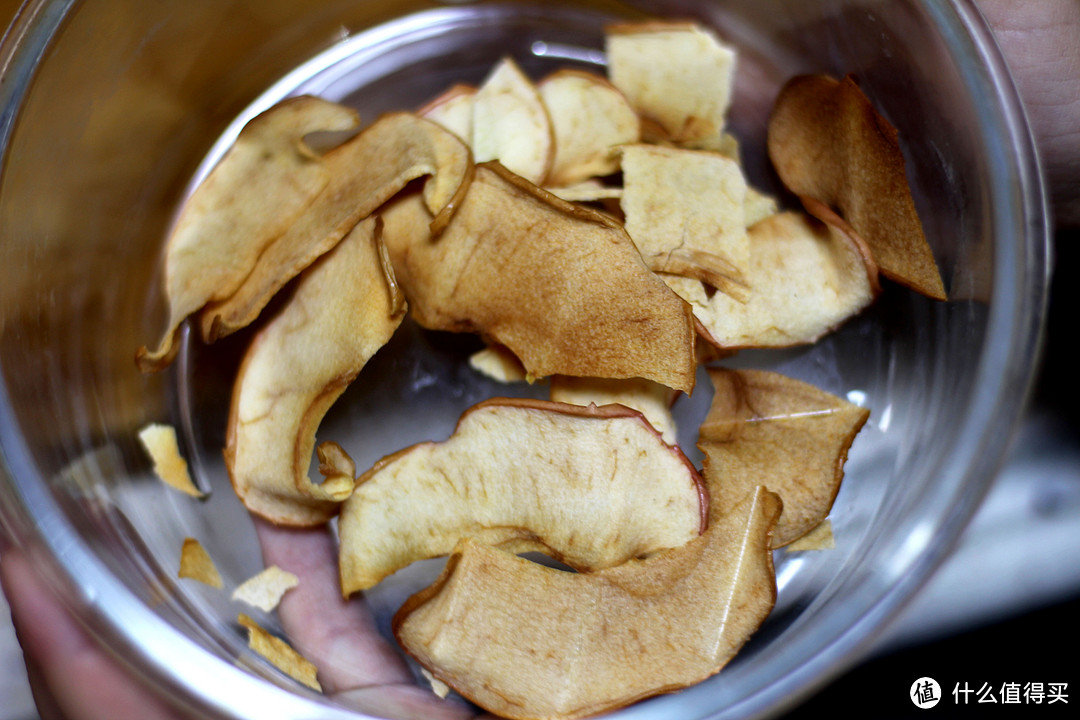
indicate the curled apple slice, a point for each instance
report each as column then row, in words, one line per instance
column 591, row 486
column 590, row 118
column 453, row 110
column 342, row 312
column 651, row 399
column 676, row 74
column 829, row 144
column 262, row 184
column 525, row 641
column 511, row 124
column 765, row 428
column 365, row 172
column 560, row 286
column 806, row 278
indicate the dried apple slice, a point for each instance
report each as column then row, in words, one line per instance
column 765, row 428
column 280, row 654
column 265, row 589
column 365, row 172
column 561, row 286
column 160, row 444
column 586, row 191
column 678, row 74
column 196, row 564
column 453, row 110
column 525, row 641
column 499, row 364
column 685, row 210
column 829, row 144
column 591, row 486
column 806, row 279
column 262, row 184
column 341, row 313
column 589, row 118
column 510, row 123
column 651, row 399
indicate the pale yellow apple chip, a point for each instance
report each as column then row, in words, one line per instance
column 651, row 399
column 685, row 211
column 341, row 313
column 820, row 538
column 499, row 364
column 758, row 206
column 438, row 687
column 453, row 110
column 678, row 74
column 160, row 444
column 195, row 564
column 806, row 279
column 765, row 428
column 591, row 486
column 562, row 287
column 265, row 590
column 590, row 118
column 526, row 641
column 829, row 144
column 258, row 189
column 280, row 654
column 510, row 123
column 586, row 191
column 365, row 172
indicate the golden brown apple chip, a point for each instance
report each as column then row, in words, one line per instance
column 829, row 144
column 510, row 123
column 591, row 486
column 678, row 74
column 499, row 364
column 453, row 110
column 160, row 444
column 685, row 211
column 590, row 118
column 280, row 654
column 364, row 173
column 195, row 563
column 526, row 641
column 262, row 184
column 805, row 278
column 765, row 428
column 651, row 399
column 340, row 314
column 560, row 286
column 820, row 538
column 265, row 590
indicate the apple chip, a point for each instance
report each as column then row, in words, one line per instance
column 280, row 654
column 820, row 538
column 160, row 444
column 592, row 486
column 510, row 123
column 589, row 118
column 265, row 590
column 765, row 428
column 829, row 144
column 758, row 206
column 586, row 191
column 526, row 641
column 299, row 363
column 453, row 110
column 651, row 399
column 685, row 210
column 365, row 172
column 806, row 279
column 562, row 287
column 499, row 364
column 258, row 189
column 195, row 563
column 678, row 74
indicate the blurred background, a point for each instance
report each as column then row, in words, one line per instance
column 1001, row 610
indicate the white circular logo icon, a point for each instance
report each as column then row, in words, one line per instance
column 925, row 693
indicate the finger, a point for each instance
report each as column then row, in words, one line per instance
column 82, row 680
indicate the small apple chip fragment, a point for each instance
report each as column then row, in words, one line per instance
column 766, row 428
column 196, row 564
column 591, row 486
column 829, row 144
column 525, row 641
column 280, row 654
column 265, row 590
column 160, row 444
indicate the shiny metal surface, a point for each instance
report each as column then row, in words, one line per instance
column 88, row 191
